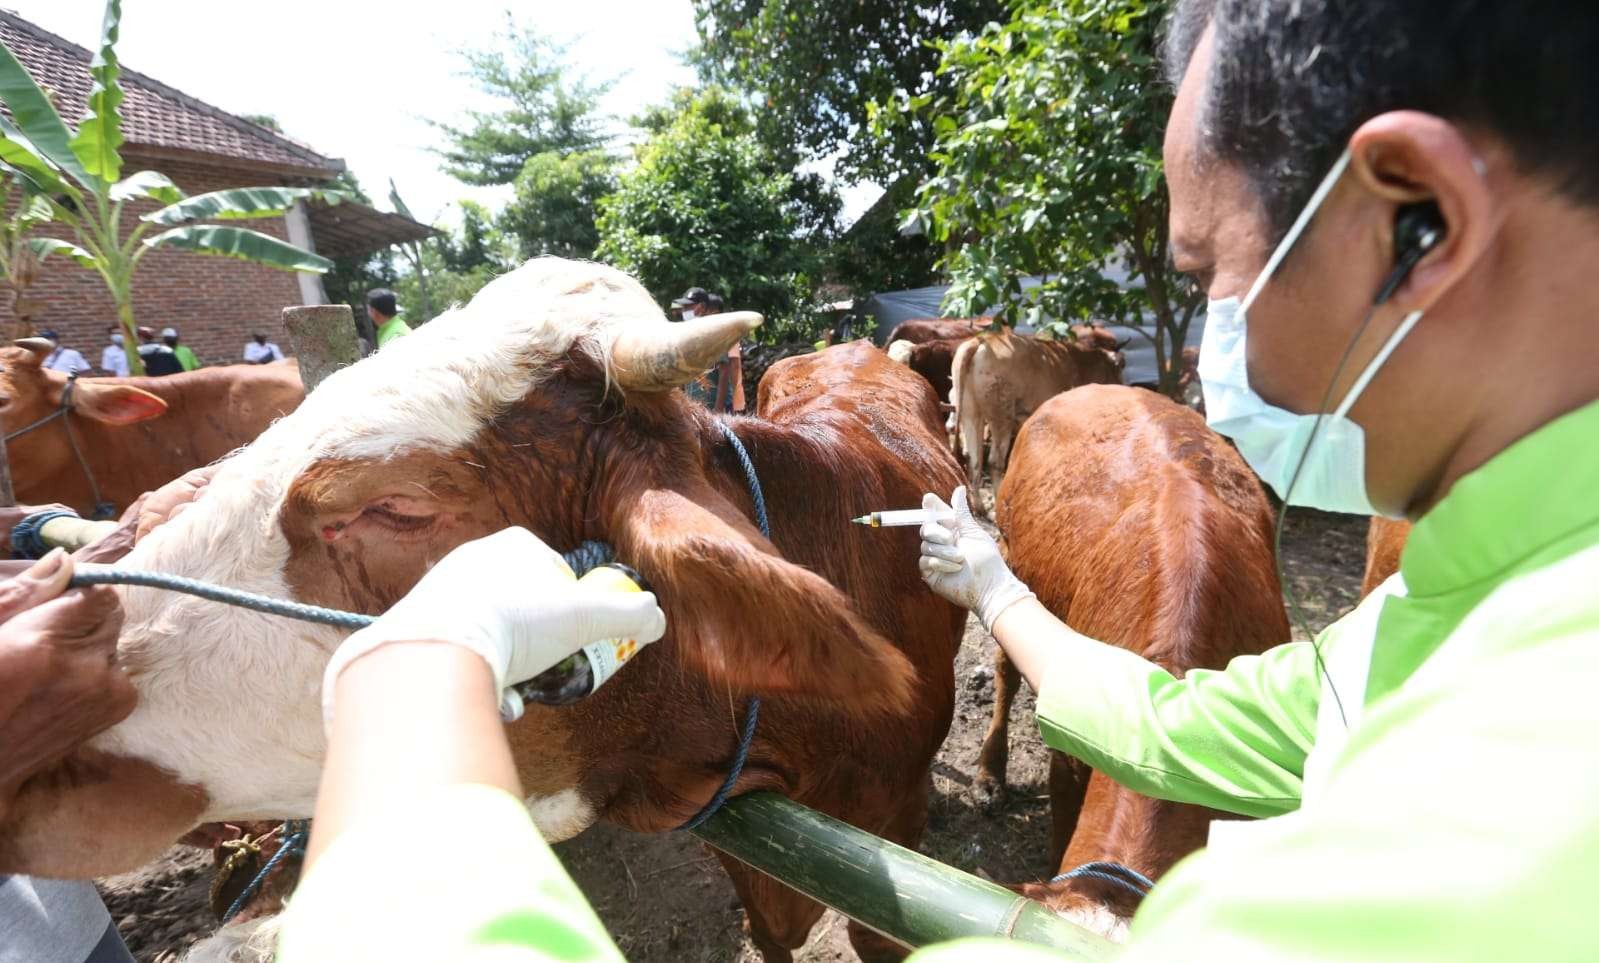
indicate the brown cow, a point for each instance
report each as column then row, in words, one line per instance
column 1139, row 526
column 999, row 379
column 922, row 330
column 1385, row 542
column 550, row 402
column 135, row 434
column 930, row 359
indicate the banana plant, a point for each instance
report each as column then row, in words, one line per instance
column 77, row 178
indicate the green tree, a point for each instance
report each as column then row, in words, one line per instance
column 556, row 202
column 545, row 110
column 710, row 206
column 1048, row 161
column 816, row 68
column 77, row 176
column 350, row 278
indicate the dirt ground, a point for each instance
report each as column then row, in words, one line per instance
column 665, row 898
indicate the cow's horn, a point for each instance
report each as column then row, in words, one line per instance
column 657, row 357
column 38, row 346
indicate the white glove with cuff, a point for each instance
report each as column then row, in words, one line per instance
column 962, row 563
column 512, row 600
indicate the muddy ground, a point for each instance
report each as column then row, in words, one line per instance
column 665, row 898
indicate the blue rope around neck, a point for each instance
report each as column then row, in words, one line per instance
column 1114, row 873
column 752, row 711
column 296, row 832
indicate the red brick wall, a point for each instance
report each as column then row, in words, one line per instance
column 214, row 302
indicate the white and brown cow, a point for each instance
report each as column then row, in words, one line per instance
column 549, row 402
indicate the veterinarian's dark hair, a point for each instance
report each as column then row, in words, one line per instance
column 1291, row 81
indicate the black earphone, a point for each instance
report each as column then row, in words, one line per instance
column 1418, row 228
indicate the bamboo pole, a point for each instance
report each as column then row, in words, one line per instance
column 905, row 896
column 324, row 340
column 8, row 495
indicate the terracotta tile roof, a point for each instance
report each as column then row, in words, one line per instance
column 154, row 115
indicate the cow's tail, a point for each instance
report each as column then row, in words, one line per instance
column 967, row 416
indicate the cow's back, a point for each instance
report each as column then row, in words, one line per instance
column 1135, row 522
column 922, row 330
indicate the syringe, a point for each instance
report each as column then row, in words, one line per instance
column 903, row 518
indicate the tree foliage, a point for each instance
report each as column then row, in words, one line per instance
column 556, row 202
column 817, row 66
column 543, row 109
column 1048, row 161
column 710, row 206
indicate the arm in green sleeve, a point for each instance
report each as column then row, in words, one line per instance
column 1233, row 740
column 1459, row 823
column 459, row 875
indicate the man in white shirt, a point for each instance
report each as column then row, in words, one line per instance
column 64, row 360
column 113, row 359
column 261, row 351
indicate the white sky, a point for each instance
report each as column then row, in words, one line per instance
column 356, row 78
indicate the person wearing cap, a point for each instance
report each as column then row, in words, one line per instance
column 64, row 360
column 261, row 351
column 693, row 304
column 185, row 355
column 114, row 357
column 158, row 359
column 382, row 309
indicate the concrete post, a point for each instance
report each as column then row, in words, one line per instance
column 299, row 224
column 324, row 339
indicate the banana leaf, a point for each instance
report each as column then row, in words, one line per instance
column 151, row 184
column 240, row 204
column 241, row 243
column 98, row 143
column 36, row 120
column 394, row 198
column 19, row 157
column 43, row 247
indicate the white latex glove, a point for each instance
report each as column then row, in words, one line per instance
column 512, row 600
column 960, row 562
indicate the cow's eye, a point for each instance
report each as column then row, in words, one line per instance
column 399, row 522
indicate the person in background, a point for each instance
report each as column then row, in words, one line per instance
column 113, row 358
column 159, row 360
column 185, row 355
column 383, row 310
column 695, row 303
column 729, row 370
column 261, row 351
column 62, row 359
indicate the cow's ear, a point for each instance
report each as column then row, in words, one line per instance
column 115, row 404
column 738, row 612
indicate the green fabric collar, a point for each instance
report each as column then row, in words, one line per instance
column 1537, row 491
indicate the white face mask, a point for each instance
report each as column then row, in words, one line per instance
column 116, row 339
column 1332, row 475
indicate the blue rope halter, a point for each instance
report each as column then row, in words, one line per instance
column 296, row 832
column 1114, row 873
column 752, row 711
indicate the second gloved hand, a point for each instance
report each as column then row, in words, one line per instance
column 962, row 563
column 512, row 600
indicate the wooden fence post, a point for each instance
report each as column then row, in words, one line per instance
column 323, row 336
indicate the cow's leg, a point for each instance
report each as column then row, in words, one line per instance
column 777, row 918
column 904, row 828
column 1003, row 434
column 989, row 785
column 1068, row 785
column 972, row 440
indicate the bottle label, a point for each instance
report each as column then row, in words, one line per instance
column 607, row 656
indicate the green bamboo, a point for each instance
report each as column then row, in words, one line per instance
column 905, row 896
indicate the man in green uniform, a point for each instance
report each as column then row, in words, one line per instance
column 186, row 356
column 382, row 309
column 1402, row 199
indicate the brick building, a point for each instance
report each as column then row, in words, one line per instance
column 214, row 302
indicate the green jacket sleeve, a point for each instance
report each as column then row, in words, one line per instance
column 460, row 875
column 1233, row 740
column 1458, row 823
